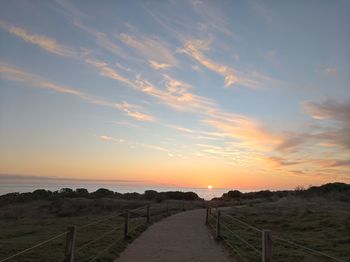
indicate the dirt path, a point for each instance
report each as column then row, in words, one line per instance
column 181, row 237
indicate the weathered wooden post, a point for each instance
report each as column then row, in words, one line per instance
column 148, row 213
column 266, row 246
column 70, row 244
column 183, row 205
column 218, row 224
column 167, row 208
column 207, row 217
column 126, row 224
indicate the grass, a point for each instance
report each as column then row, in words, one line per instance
column 19, row 233
column 320, row 224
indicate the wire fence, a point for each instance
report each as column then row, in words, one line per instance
column 249, row 243
column 101, row 239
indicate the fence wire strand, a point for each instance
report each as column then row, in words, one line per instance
column 235, row 250
column 115, row 242
column 99, row 221
column 241, row 239
column 103, row 250
column 242, row 222
column 99, row 238
column 137, row 209
column 35, row 246
column 307, row 248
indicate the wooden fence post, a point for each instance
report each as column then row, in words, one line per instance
column 148, row 213
column 183, row 205
column 70, row 244
column 167, row 208
column 207, row 217
column 126, row 224
column 218, row 225
column 266, row 246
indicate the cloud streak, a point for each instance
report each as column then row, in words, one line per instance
column 195, row 49
column 157, row 65
column 334, row 113
column 151, row 48
column 47, row 43
column 133, row 144
column 14, row 74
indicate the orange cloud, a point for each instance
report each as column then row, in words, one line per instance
column 249, row 131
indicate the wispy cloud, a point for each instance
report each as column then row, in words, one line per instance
column 330, row 71
column 337, row 114
column 282, row 162
column 179, row 95
column 262, row 11
column 14, row 74
column 133, row 144
column 271, row 56
column 330, row 109
column 213, row 16
column 109, row 138
column 151, row 48
column 323, row 149
column 133, row 111
column 157, row 65
column 45, row 42
column 176, row 94
column 52, row 46
column 291, row 142
column 247, row 130
column 196, row 48
column 107, row 71
column 103, row 40
column 339, row 163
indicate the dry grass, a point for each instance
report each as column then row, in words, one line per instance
column 24, row 228
column 316, row 223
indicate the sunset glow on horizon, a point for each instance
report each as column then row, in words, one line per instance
column 204, row 94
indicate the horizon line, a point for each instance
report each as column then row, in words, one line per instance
column 4, row 176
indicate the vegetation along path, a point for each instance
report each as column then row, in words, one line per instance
column 181, row 237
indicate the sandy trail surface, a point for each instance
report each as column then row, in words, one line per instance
column 181, row 237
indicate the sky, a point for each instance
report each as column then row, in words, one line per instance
column 233, row 94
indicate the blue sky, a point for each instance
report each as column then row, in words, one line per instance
column 186, row 93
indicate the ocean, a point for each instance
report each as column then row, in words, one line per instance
column 21, row 186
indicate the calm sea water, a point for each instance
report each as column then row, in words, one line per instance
column 10, row 186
